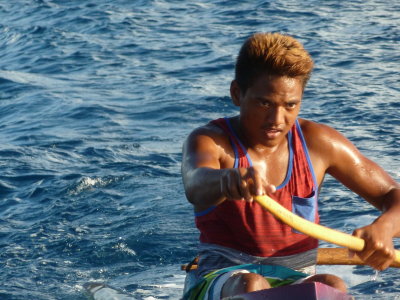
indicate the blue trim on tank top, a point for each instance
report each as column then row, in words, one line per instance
column 204, row 212
column 303, row 142
column 235, row 150
column 290, row 164
column 241, row 145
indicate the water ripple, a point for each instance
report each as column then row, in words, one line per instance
column 97, row 97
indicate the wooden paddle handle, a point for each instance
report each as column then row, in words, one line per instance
column 312, row 229
column 340, row 256
column 325, row 256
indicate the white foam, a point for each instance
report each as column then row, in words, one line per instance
column 88, row 183
column 124, row 248
column 31, row 78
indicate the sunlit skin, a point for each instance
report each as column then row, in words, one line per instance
column 268, row 109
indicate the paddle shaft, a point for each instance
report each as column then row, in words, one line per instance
column 340, row 256
column 325, row 256
column 312, row 229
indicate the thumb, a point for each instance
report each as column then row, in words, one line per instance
column 266, row 189
column 270, row 189
column 356, row 233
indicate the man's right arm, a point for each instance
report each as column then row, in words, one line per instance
column 207, row 175
column 201, row 169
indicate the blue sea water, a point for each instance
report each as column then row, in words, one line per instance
column 97, row 97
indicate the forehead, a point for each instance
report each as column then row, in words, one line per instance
column 272, row 84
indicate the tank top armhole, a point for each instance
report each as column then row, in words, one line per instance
column 228, row 123
column 204, row 212
column 235, row 150
column 290, row 164
column 304, row 144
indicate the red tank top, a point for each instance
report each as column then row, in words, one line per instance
column 249, row 228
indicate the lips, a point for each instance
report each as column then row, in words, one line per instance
column 272, row 132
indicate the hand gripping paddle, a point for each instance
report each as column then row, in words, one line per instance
column 312, row 229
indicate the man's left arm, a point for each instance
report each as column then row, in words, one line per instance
column 379, row 251
column 340, row 158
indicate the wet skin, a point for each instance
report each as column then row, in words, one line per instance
column 268, row 109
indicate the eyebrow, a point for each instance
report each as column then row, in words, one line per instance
column 296, row 100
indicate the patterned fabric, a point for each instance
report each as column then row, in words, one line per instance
column 212, row 257
column 275, row 275
column 246, row 226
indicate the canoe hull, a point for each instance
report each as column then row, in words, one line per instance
column 309, row 291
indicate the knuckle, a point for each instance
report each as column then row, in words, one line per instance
column 242, row 172
column 243, row 183
column 378, row 245
column 381, row 267
column 389, row 253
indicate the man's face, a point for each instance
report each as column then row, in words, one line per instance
column 269, row 108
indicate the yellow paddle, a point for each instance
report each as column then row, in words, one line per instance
column 312, row 229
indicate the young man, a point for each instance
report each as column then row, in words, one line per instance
column 267, row 149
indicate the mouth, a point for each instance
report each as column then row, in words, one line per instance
column 272, row 133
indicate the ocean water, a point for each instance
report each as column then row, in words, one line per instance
column 97, row 97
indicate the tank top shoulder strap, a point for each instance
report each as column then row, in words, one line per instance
column 306, row 153
column 242, row 158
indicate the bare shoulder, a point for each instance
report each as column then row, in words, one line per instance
column 334, row 154
column 308, row 126
column 319, row 136
column 327, row 146
column 208, row 133
column 208, row 145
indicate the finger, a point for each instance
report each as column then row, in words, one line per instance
column 390, row 259
column 380, row 260
column 235, row 188
column 245, row 183
column 261, row 185
column 244, row 190
column 375, row 253
column 227, row 189
column 382, row 257
column 241, row 184
column 267, row 187
column 271, row 188
column 257, row 187
column 366, row 251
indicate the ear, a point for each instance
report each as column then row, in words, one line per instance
column 235, row 93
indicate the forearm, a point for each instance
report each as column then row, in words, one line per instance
column 391, row 212
column 203, row 187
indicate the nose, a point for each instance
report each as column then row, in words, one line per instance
column 276, row 115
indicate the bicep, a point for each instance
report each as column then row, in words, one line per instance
column 200, row 151
column 201, row 170
column 360, row 174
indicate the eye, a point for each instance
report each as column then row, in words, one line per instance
column 291, row 105
column 265, row 103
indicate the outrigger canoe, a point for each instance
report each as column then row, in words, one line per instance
column 302, row 291
column 329, row 256
column 306, row 291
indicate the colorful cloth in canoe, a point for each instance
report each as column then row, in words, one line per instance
column 209, row 287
